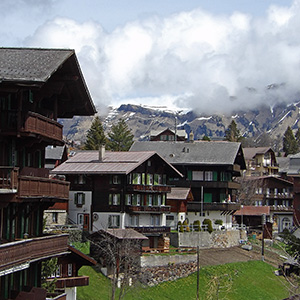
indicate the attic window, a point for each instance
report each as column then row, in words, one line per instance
column 172, row 155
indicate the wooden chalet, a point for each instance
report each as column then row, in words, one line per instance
column 178, row 200
column 168, row 135
column 260, row 161
column 210, row 169
column 37, row 86
column 119, row 190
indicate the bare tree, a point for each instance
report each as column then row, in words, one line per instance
column 118, row 250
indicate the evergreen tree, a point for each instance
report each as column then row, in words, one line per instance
column 297, row 137
column 232, row 134
column 95, row 136
column 120, row 137
column 289, row 142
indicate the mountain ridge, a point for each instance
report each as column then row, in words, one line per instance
column 263, row 125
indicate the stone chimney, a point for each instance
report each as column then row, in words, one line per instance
column 101, row 152
column 191, row 137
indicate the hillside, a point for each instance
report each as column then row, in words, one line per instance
column 265, row 124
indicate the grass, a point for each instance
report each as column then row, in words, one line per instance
column 236, row 281
column 83, row 247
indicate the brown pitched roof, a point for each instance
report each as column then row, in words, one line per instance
column 83, row 257
column 87, row 162
column 250, row 153
column 179, row 193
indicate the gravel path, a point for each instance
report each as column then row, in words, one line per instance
column 209, row 257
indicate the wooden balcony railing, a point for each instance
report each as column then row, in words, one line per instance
column 68, row 282
column 196, row 206
column 42, row 187
column 32, row 186
column 157, row 209
column 38, row 124
column 148, row 188
column 22, row 252
column 151, row 229
column 8, row 178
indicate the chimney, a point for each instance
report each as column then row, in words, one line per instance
column 101, row 152
column 191, row 137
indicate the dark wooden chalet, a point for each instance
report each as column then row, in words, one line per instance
column 119, row 190
column 209, row 169
column 37, row 86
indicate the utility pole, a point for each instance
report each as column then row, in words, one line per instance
column 263, row 221
column 198, row 270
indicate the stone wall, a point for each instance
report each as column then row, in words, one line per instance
column 204, row 239
column 155, row 275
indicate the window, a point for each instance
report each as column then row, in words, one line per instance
column 155, row 220
column 149, row 179
column 79, row 199
column 208, row 176
column 80, row 219
column 113, row 221
column 114, row 199
column 158, row 179
column 134, row 220
column 163, row 201
column 81, row 179
column 198, row 175
column 137, row 178
column 70, row 270
column 149, row 200
column 54, row 217
column 116, row 179
column 128, row 199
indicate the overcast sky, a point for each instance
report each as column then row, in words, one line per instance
column 213, row 56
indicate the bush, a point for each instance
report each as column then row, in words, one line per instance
column 179, row 226
column 209, row 225
column 186, row 225
column 197, row 225
column 219, row 222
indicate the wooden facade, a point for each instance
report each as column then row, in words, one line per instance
column 37, row 87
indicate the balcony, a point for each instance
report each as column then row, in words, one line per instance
column 148, row 188
column 32, row 182
column 8, row 179
column 34, row 124
column 207, row 184
column 69, row 282
column 151, row 229
column 19, row 254
column 40, row 125
column 147, row 209
column 225, row 207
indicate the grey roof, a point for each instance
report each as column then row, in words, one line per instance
column 35, row 66
column 52, row 152
column 87, row 162
column 283, row 163
column 29, row 64
column 198, row 152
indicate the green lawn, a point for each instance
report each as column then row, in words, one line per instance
column 240, row 281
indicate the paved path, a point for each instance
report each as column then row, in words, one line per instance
column 209, row 257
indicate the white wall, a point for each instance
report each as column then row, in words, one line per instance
column 74, row 211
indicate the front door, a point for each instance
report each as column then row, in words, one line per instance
column 86, row 222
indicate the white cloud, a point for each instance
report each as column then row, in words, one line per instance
column 191, row 59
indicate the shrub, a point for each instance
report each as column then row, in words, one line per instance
column 186, row 227
column 209, row 225
column 197, row 225
column 219, row 222
column 179, row 225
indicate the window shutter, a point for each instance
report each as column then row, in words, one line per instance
column 189, row 175
column 83, row 198
column 76, row 198
column 155, row 179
